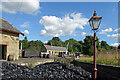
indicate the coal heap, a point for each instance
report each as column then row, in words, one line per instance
column 47, row 71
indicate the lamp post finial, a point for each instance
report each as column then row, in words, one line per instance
column 95, row 14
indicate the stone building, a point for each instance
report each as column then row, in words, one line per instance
column 9, row 40
column 53, row 50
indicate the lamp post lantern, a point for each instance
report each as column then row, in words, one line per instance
column 94, row 23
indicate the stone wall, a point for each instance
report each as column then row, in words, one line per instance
column 53, row 52
column 13, row 43
column 104, row 72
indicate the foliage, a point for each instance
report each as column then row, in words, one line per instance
column 84, row 47
column 32, row 45
column 105, row 45
column 119, row 47
column 55, row 42
column 109, row 57
column 74, row 46
column 88, row 47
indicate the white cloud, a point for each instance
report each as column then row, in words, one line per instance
column 55, row 26
column 46, row 42
column 114, row 35
column 26, row 32
column 83, row 33
column 108, row 35
column 117, row 30
column 115, row 44
column 74, row 35
column 106, row 30
column 25, row 25
column 14, row 6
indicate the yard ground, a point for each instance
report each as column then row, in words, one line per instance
column 31, row 62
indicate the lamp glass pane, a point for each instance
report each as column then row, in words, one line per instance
column 91, row 23
column 96, row 22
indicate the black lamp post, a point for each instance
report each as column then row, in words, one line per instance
column 94, row 23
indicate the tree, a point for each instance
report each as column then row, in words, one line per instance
column 85, row 47
column 119, row 47
column 56, row 41
column 105, row 45
column 74, row 45
column 80, row 48
column 91, row 50
column 24, row 43
column 25, row 38
column 88, row 43
column 32, row 45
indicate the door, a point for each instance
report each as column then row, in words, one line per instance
column 3, row 51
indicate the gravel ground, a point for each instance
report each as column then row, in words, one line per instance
column 47, row 71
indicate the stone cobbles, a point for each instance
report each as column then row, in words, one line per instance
column 47, row 71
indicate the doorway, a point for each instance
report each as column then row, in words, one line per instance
column 3, row 51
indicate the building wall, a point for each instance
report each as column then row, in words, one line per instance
column 54, row 52
column 13, row 43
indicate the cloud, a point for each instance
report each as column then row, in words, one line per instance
column 26, row 32
column 83, row 33
column 25, row 25
column 46, row 42
column 14, row 6
column 116, row 36
column 117, row 30
column 55, row 26
column 106, row 30
column 74, row 35
column 115, row 44
column 108, row 35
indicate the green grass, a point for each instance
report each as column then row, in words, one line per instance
column 108, row 62
column 110, row 57
column 105, row 61
column 86, row 60
column 31, row 65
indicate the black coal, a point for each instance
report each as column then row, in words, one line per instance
column 47, row 71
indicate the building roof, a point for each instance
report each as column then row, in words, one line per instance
column 56, row 48
column 6, row 26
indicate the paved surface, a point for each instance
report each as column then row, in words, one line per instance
column 34, row 61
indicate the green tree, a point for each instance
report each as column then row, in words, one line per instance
column 56, row 41
column 24, row 43
column 32, row 45
column 80, row 48
column 88, row 45
column 105, row 45
column 74, row 45
column 119, row 47
column 85, row 47
column 91, row 50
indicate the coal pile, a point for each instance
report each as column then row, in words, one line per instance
column 47, row 71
